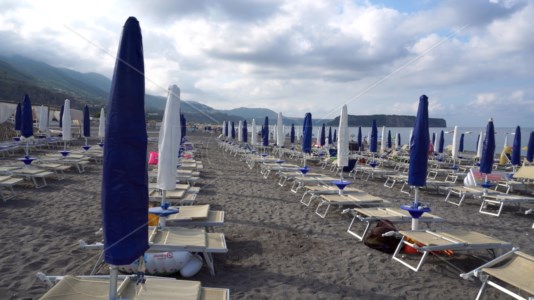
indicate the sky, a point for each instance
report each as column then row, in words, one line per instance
column 473, row 59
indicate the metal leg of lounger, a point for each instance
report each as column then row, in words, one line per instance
column 282, row 180
column 405, row 184
column 323, row 215
column 484, row 204
column 400, row 246
column 354, row 233
column 304, row 195
column 312, row 196
column 37, row 185
column 209, row 261
column 392, row 182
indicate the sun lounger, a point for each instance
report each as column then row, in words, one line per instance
column 513, row 269
column 465, row 191
column 395, row 215
column 176, row 197
column 188, row 239
column 300, row 181
column 500, row 200
column 33, row 174
column 97, row 287
column 427, row 242
column 196, row 215
column 58, row 169
column 316, row 190
column 8, row 182
column 355, row 199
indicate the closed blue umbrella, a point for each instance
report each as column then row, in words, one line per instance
column 334, row 138
column 322, row 141
column 61, row 116
column 461, row 145
column 265, row 132
column 183, row 127
column 307, row 134
column 419, row 159
column 18, row 117
column 292, row 134
column 389, row 139
column 245, row 132
column 330, row 135
column 488, row 149
column 373, row 147
column 226, row 129
column 530, row 149
column 86, row 123
column 516, row 150
column 399, row 143
column 433, row 139
column 125, row 180
column 441, row 142
column 26, row 126
column 232, row 131
column 360, row 138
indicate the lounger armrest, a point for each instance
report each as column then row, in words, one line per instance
column 84, row 245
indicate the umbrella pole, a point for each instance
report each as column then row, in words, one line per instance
column 113, row 274
column 415, row 222
column 64, row 145
column 27, row 149
column 85, row 141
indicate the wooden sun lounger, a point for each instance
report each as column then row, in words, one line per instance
column 33, row 174
column 395, row 215
column 426, row 242
column 96, row 287
column 515, row 269
column 196, row 215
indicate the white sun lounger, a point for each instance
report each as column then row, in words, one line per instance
column 301, row 181
column 197, row 215
column 465, row 191
column 97, row 287
column 426, row 242
column 515, row 269
column 355, row 199
column 315, row 190
column 33, row 174
column 8, row 182
column 500, row 200
column 395, row 215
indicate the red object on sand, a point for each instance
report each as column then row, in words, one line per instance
column 153, row 158
column 409, row 250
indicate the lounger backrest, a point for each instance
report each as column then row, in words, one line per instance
column 525, row 172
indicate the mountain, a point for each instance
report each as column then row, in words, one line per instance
column 388, row 121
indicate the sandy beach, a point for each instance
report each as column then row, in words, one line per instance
column 278, row 248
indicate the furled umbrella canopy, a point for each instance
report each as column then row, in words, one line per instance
column 240, row 131
column 479, row 145
column 254, row 133
column 441, row 142
column 265, row 132
column 383, row 140
column 343, row 141
column 280, row 138
column 322, row 140
column 67, row 122
column 232, row 131
column 360, row 138
column 26, row 128
column 330, row 141
column 373, row 147
column 183, row 126
column 18, row 117
column 399, row 142
column 61, row 111
column 530, row 149
column 334, row 138
column 125, row 177
column 488, row 149
column 102, row 124
column 292, row 134
column 454, row 153
column 244, row 133
column 43, row 119
column 419, row 146
column 389, row 139
column 86, row 122
column 516, row 149
column 307, row 133
column 461, row 143
column 170, row 134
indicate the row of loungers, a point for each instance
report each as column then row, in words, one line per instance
column 368, row 209
column 191, row 229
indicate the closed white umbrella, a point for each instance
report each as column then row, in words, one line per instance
column 343, row 140
column 505, row 140
column 280, row 138
column 102, row 125
column 318, row 141
column 410, row 139
column 67, row 124
column 43, row 119
column 454, row 143
column 254, row 134
column 169, row 142
column 383, row 140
